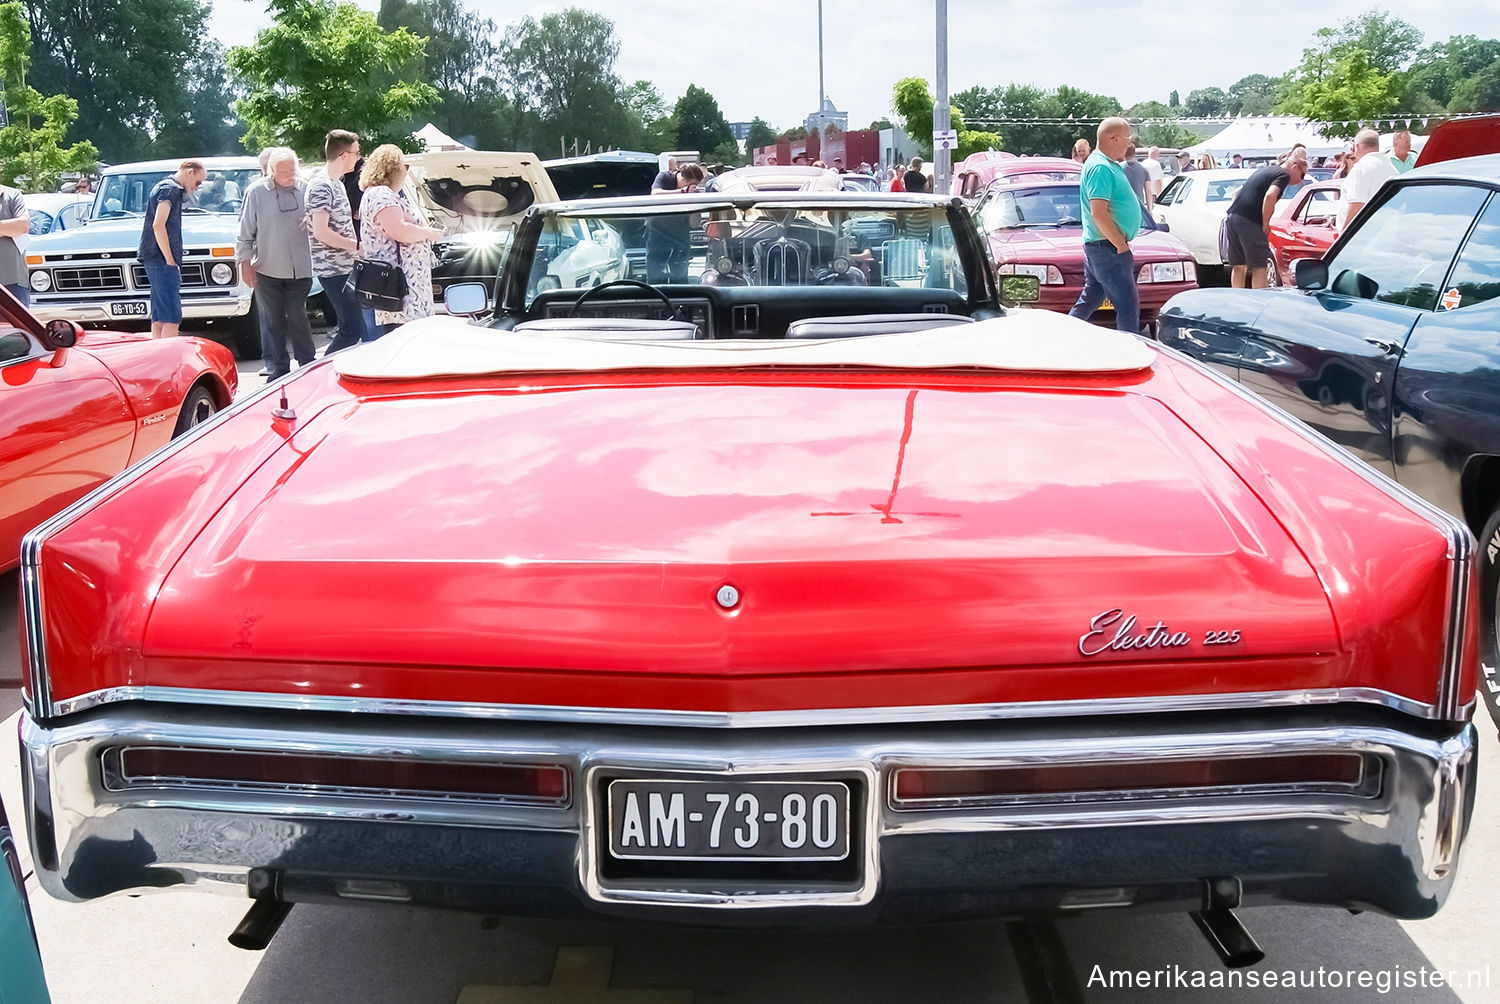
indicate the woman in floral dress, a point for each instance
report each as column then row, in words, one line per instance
column 395, row 233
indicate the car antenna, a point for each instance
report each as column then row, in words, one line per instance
column 284, row 410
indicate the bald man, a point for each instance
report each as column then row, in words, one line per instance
column 1111, row 217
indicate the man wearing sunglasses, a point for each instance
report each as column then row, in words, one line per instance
column 276, row 262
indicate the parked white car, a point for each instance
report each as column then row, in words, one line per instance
column 1194, row 204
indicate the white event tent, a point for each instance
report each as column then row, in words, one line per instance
column 434, row 138
column 1267, row 136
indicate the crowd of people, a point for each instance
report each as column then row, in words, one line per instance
column 293, row 229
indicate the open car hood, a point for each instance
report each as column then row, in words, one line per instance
column 477, row 190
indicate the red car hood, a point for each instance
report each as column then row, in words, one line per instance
column 1045, row 246
column 102, row 339
column 587, row 531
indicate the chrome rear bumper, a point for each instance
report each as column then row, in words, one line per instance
column 1392, row 846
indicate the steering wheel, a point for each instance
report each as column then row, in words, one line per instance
column 633, row 284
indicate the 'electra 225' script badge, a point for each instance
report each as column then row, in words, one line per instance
column 1113, row 631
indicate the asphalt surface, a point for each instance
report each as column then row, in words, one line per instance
column 171, row 947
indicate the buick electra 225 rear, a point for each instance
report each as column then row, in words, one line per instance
column 798, row 633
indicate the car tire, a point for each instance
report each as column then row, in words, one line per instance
column 246, row 331
column 1489, row 611
column 1273, row 274
column 198, row 408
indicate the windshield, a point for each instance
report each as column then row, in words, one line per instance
column 221, row 192
column 1048, row 206
column 761, row 246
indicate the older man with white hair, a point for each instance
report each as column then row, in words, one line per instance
column 1111, row 217
column 1370, row 171
column 276, row 261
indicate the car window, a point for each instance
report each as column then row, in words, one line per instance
column 41, row 222
column 74, row 214
column 1222, row 191
column 1476, row 277
column 1174, row 188
column 1320, row 204
column 1401, row 253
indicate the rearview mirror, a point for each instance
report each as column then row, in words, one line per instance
column 60, row 334
column 466, row 299
column 1020, row 289
column 1310, row 273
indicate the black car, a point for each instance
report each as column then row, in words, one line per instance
column 1390, row 347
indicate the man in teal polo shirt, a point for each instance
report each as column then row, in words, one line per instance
column 1111, row 217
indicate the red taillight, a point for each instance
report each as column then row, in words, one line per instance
column 185, row 766
column 917, row 786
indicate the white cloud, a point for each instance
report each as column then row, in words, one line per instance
column 759, row 57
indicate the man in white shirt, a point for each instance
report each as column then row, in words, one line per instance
column 1155, row 176
column 1369, row 172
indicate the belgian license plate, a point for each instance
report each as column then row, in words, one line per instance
column 729, row 820
column 128, row 308
column 1106, row 305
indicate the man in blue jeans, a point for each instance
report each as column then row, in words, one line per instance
column 1111, row 217
column 161, row 245
column 334, row 245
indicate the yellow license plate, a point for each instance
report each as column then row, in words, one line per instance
column 1106, row 305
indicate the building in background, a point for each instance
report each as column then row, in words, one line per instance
column 829, row 116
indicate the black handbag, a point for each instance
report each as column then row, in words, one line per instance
column 377, row 285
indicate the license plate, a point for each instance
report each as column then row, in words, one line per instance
column 1106, row 305
column 729, row 820
column 129, row 308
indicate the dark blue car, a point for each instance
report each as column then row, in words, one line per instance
column 1390, row 347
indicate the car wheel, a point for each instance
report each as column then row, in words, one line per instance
column 247, row 334
column 1489, row 612
column 1273, row 274
column 199, row 407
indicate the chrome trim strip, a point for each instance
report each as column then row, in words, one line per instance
column 41, row 703
column 807, row 717
column 1461, row 543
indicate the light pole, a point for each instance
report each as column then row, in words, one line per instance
column 942, row 154
column 822, row 135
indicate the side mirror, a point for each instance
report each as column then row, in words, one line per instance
column 1163, row 227
column 60, row 334
column 466, row 299
column 1310, row 273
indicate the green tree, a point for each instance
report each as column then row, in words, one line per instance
column 700, row 124
column 1388, row 42
column 978, row 102
column 1440, row 67
column 795, row 132
column 324, row 65
column 726, row 153
column 209, row 125
column 560, row 69
column 1254, row 94
column 31, row 146
column 1340, row 89
column 1173, row 101
column 137, row 70
column 459, row 60
column 761, row 134
column 1478, row 93
column 652, row 125
column 881, row 123
column 1206, row 102
column 1149, row 110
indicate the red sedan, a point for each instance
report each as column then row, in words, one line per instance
column 1305, row 227
column 981, row 170
column 77, row 407
column 1037, row 230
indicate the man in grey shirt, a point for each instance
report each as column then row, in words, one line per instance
column 1139, row 177
column 276, row 262
column 15, row 222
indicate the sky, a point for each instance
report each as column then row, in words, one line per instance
column 760, row 57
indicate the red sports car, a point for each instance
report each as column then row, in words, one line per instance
column 77, row 408
column 1305, row 226
column 1036, row 229
column 798, row 598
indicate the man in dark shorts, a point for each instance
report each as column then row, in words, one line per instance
column 1249, row 221
column 161, row 245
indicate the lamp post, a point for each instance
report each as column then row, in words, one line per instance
column 822, row 95
column 942, row 154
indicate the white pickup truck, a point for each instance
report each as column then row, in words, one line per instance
column 91, row 274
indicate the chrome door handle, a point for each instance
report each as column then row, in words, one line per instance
column 1385, row 345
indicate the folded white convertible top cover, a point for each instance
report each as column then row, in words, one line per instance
column 1032, row 341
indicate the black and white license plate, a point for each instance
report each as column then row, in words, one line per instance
column 729, row 820
column 128, row 308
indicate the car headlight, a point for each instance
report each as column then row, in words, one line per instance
column 41, row 281
column 222, row 273
column 1047, row 275
column 1161, row 271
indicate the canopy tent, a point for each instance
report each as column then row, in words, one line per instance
column 1267, row 137
column 434, row 138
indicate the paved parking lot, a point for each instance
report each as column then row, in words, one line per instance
column 172, row 947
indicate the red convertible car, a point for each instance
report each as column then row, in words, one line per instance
column 77, row 408
column 1305, row 226
column 1036, row 229
column 792, row 597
